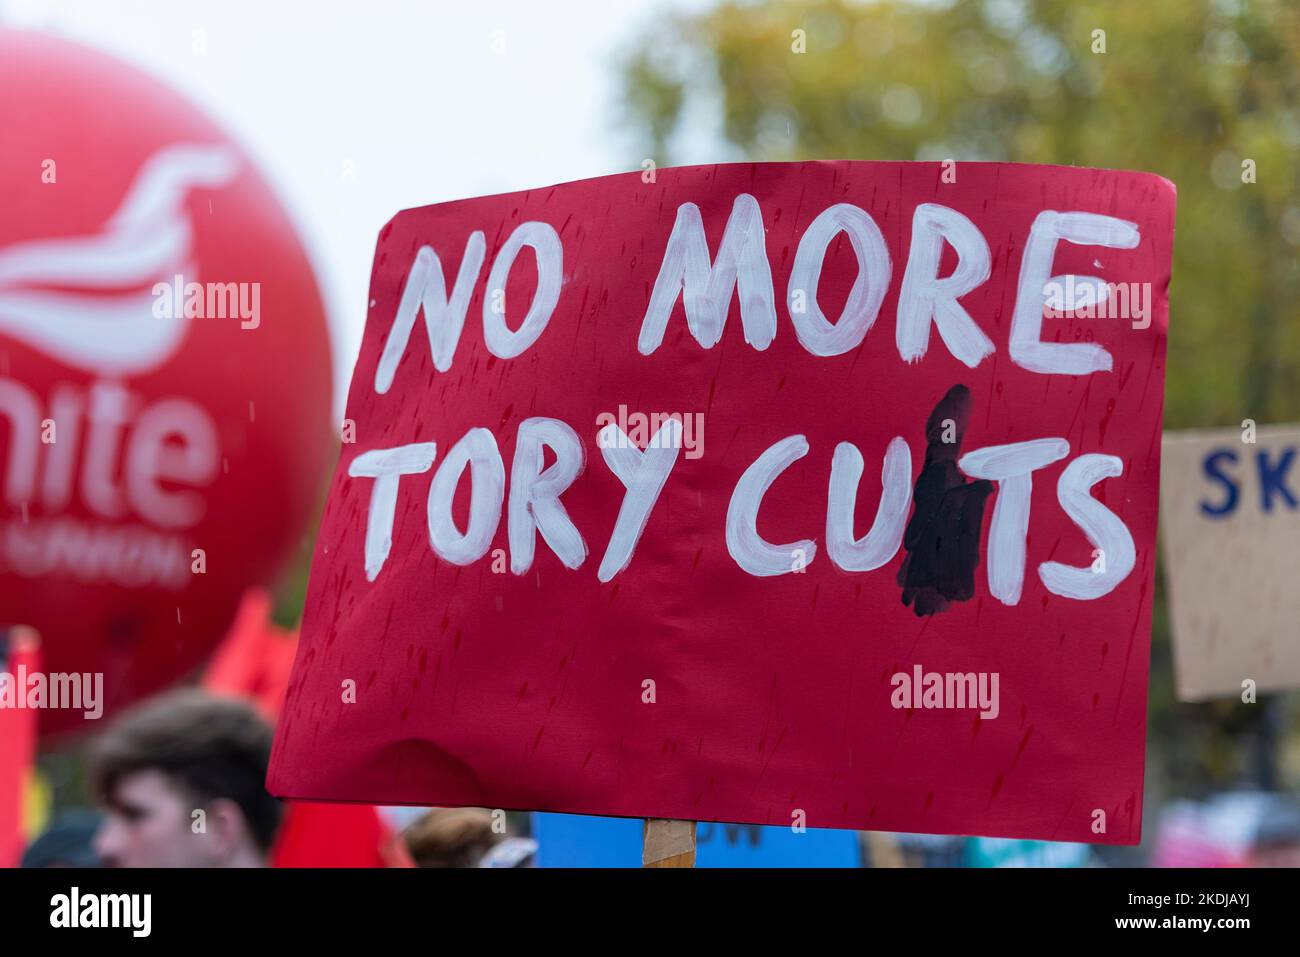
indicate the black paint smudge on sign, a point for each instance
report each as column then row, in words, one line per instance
column 942, row 538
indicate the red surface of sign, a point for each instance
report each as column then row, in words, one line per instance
column 164, row 372
column 888, row 565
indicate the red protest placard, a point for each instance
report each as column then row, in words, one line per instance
column 818, row 494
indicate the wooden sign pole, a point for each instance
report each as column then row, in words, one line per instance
column 668, row 843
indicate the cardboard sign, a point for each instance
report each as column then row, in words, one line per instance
column 1231, row 522
column 817, row 494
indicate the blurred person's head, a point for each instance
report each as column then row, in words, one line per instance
column 182, row 781
column 451, row 837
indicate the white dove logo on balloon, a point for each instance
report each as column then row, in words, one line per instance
column 86, row 300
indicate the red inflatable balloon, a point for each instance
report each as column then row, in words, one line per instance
column 164, row 372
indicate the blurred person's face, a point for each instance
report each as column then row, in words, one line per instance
column 149, row 822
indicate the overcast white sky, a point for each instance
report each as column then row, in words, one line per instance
column 420, row 101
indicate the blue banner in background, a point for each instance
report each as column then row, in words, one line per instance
column 573, row 840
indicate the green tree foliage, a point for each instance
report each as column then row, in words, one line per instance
column 1185, row 88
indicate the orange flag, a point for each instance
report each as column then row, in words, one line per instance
column 254, row 659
